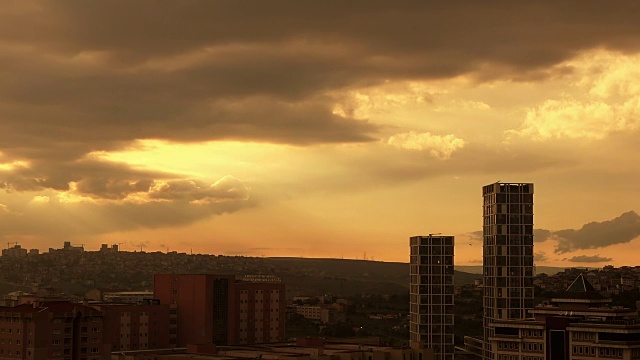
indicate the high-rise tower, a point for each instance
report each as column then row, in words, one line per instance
column 431, row 294
column 507, row 254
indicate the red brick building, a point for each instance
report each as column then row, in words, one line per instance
column 53, row 330
column 262, row 312
column 138, row 326
column 221, row 310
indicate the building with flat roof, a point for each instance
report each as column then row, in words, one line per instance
column 507, row 255
column 53, row 330
column 16, row 252
column 431, row 294
column 139, row 326
column 221, row 310
column 131, row 297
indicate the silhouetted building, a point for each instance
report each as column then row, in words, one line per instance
column 507, row 255
column 104, row 248
column 220, row 310
column 16, row 252
column 431, row 295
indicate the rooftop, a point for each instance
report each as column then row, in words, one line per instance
column 581, row 289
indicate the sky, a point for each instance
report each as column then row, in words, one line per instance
column 318, row 129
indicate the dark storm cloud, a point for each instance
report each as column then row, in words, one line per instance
column 79, row 76
column 431, row 38
column 59, row 220
column 92, row 177
column 594, row 235
column 540, row 257
column 540, row 235
column 589, row 259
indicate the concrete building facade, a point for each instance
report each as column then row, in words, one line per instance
column 431, row 294
column 507, row 255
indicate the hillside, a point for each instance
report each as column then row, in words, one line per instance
column 348, row 275
column 549, row 270
column 75, row 273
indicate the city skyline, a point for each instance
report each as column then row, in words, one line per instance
column 318, row 129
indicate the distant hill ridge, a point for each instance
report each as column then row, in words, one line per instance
column 364, row 270
column 364, row 264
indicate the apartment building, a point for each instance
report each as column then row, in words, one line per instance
column 53, row 330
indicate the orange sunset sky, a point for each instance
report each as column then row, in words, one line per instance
column 318, row 128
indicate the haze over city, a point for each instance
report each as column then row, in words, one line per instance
column 318, row 129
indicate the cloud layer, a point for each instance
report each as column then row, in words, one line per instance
column 595, row 235
column 79, row 77
column 159, row 205
column 589, row 259
column 438, row 146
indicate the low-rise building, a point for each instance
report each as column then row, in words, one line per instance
column 130, row 297
column 15, row 252
column 139, row 326
column 223, row 310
